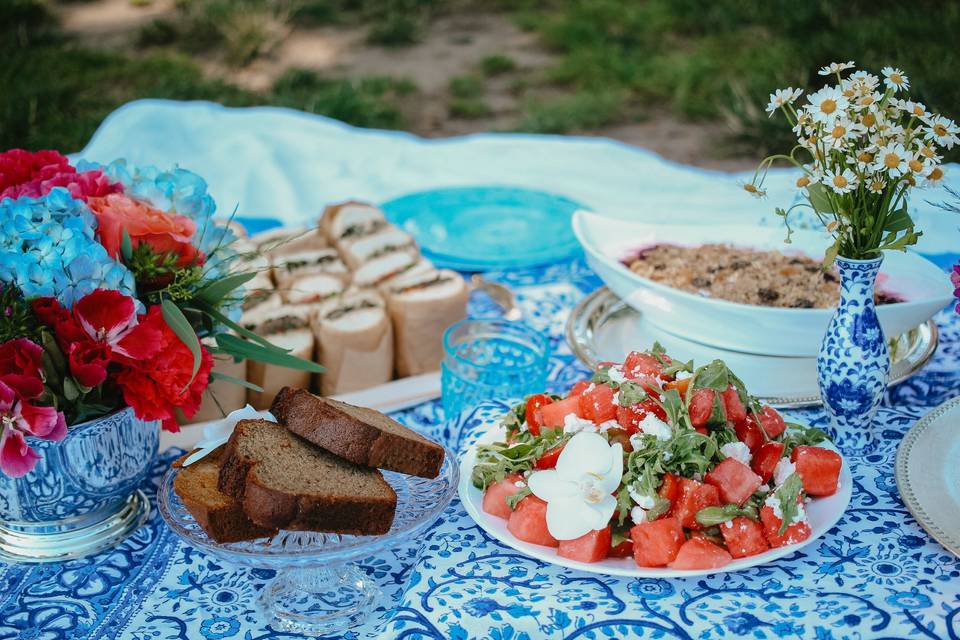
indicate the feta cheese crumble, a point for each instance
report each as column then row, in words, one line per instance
column 572, row 423
column 609, row 424
column 683, row 375
column 616, row 375
column 737, row 451
column 773, row 501
column 520, row 484
column 654, row 426
column 782, row 471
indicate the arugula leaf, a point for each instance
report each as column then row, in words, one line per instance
column 631, row 393
column 514, row 500
column 602, row 376
column 787, row 493
column 498, row 460
column 714, row 376
column 515, row 418
column 799, row 435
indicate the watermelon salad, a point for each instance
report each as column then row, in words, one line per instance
column 654, row 459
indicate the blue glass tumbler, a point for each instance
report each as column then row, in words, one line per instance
column 491, row 359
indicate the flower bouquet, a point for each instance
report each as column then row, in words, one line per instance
column 862, row 147
column 117, row 288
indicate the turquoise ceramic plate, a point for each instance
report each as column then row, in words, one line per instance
column 480, row 228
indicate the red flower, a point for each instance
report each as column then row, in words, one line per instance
column 19, row 418
column 88, row 184
column 18, row 166
column 102, row 328
column 154, row 387
column 21, row 367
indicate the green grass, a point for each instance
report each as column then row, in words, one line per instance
column 707, row 61
column 579, row 112
column 497, row 64
column 56, row 92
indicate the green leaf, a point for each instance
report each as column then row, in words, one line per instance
column 71, row 390
column 215, row 313
column 179, row 324
column 787, row 494
column 246, row 350
column 714, row 376
column 218, row 290
column 631, row 393
column 237, row 381
column 126, row 246
column 898, row 221
column 830, row 256
column 514, row 500
column 819, row 200
column 52, row 351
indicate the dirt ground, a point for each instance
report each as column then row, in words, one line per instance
column 453, row 46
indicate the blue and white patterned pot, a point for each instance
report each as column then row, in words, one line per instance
column 83, row 495
column 854, row 362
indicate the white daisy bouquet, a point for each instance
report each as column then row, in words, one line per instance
column 862, row 144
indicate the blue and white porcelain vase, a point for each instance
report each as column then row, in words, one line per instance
column 854, row 362
column 84, row 494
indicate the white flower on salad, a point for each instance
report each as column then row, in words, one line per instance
column 737, row 451
column 217, row 433
column 578, row 491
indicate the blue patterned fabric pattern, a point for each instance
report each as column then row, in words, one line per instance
column 875, row 575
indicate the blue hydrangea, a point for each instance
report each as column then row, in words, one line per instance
column 48, row 248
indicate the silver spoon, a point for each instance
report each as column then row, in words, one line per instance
column 501, row 295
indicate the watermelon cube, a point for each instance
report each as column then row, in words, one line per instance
column 735, row 481
column 732, row 406
column 552, row 415
column 796, row 532
column 818, row 468
column 692, row 497
column 592, row 546
column 750, row 433
column 743, row 537
column 495, row 497
column 622, row 550
column 656, row 543
column 700, row 553
column 597, row 404
column 528, row 522
column 765, row 459
column 701, row 407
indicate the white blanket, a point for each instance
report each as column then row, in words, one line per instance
column 286, row 164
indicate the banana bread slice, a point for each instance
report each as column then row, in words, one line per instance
column 358, row 434
column 218, row 514
column 285, row 482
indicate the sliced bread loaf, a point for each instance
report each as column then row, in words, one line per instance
column 218, row 514
column 358, row 434
column 285, row 482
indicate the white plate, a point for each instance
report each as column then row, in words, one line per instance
column 928, row 476
column 603, row 328
column 822, row 514
column 742, row 327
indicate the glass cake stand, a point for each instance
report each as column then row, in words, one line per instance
column 318, row 590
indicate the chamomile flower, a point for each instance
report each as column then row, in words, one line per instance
column 864, row 79
column 928, row 152
column 864, row 160
column 892, row 159
column 877, row 185
column 942, row 130
column 895, row 79
column 841, row 182
column 827, row 104
column 842, row 131
column 933, row 177
column 782, row 97
column 915, row 109
column 836, row 67
column 803, row 182
column 753, row 190
column 867, row 99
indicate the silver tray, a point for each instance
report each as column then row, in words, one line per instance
column 603, row 327
column 928, row 476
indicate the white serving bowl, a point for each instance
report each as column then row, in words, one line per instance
column 742, row 327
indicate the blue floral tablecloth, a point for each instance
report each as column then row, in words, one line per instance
column 875, row 575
